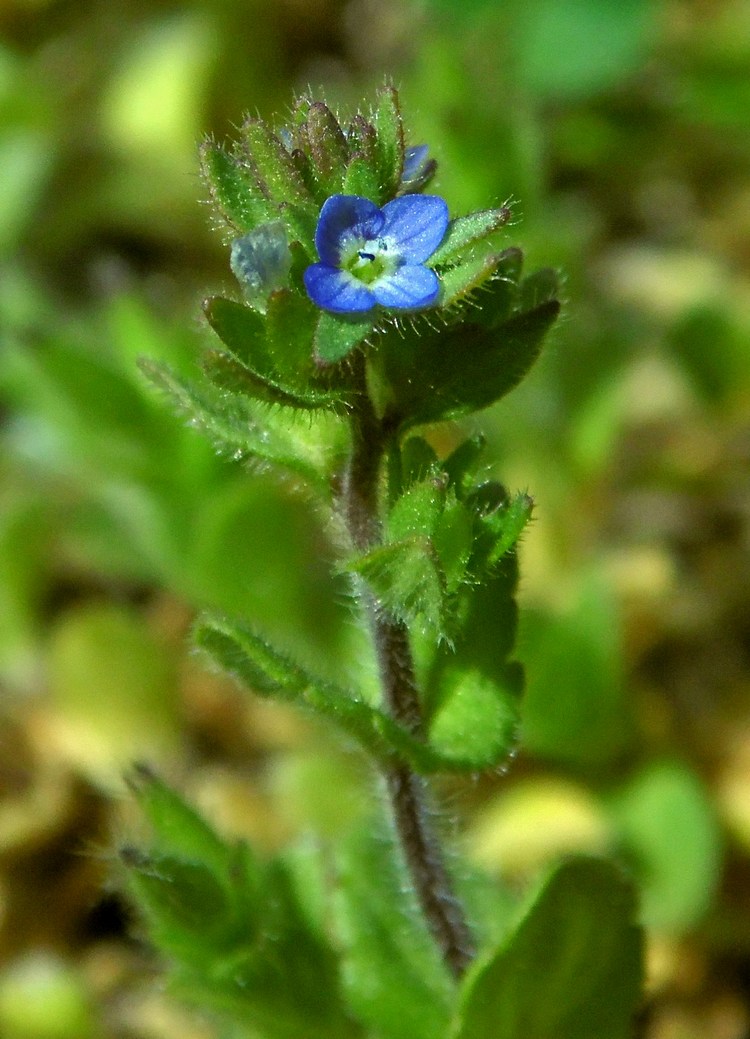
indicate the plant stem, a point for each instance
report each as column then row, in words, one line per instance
column 408, row 792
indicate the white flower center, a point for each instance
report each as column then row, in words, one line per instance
column 368, row 261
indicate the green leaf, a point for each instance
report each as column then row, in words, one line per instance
column 181, row 900
column 495, row 364
column 286, row 983
column 390, row 142
column 301, row 222
column 416, row 512
column 406, row 577
column 250, row 658
column 477, row 718
column 417, row 461
column 234, row 189
column 465, row 231
column 483, row 633
column 252, row 367
column 508, row 523
column 231, row 425
column 279, row 347
column 486, row 498
column 500, row 295
column 393, row 978
column 227, row 374
column 273, row 165
column 338, row 334
column 241, row 330
column 539, row 288
column 290, row 327
column 247, row 656
column 668, row 829
column 577, row 651
column 254, row 663
column 453, row 539
column 462, row 369
column 178, row 829
column 460, row 466
column 240, row 941
column 328, row 149
column 570, row 970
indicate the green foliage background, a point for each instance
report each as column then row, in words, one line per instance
column 619, row 132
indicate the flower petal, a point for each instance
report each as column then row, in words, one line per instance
column 337, row 290
column 419, row 168
column 414, row 159
column 409, row 287
column 342, row 217
column 416, row 225
column 261, row 259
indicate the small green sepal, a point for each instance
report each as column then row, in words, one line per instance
column 389, row 127
column 234, row 190
column 337, row 335
column 466, row 231
column 273, row 166
column 328, row 149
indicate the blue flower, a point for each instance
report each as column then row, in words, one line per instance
column 261, row 260
column 370, row 255
column 419, row 168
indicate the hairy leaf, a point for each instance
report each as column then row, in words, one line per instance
column 463, row 369
column 477, row 717
column 179, row 830
column 460, row 466
column 406, row 577
column 508, row 523
column 241, row 652
column 290, row 327
column 237, row 935
column 232, row 426
column 540, row 287
column 261, row 347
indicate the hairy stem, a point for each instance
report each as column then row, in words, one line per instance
column 408, row 791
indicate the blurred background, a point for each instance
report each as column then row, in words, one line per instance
column 620, row 129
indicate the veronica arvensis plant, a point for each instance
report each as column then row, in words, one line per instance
column 363, row 300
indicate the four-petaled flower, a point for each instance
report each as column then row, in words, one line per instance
column 370, row 255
